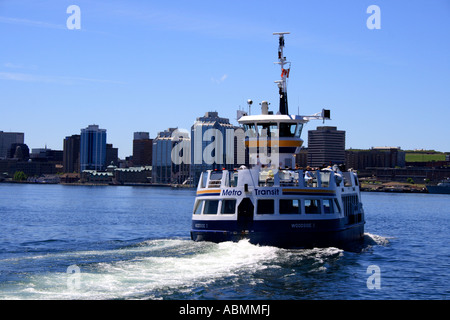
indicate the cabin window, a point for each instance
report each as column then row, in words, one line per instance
column 203, row 179
column 328, row 206
column 289, row 206
column 198, row 207
column 265, row 206
column 298, row 130
column 233, row 178
column 268, row 130
column 287, row 129
column 211, row 206
column 250, row 130
column 228, row 206
column 215, row 175
column 312, row 206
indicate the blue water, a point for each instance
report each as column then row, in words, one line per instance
column 105, row 242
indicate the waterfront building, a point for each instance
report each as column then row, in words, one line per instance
column 7, row 139
column 142, row 149
column 46, row 155
column 93, row 148
column 19, row 151
column 213, row 145
column 164, row 170
column 30, row 168
column 112, row 155
column 376, row 157
column 71, row 154
column 133, row 175
column 326, row 146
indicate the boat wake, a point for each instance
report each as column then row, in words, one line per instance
column 140, row 271
column 163, row 268
column 373, row 240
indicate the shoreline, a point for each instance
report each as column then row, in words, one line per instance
column 388, row 187
column 130, row 184
column 393, row 186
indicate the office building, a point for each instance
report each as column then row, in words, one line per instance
column 46, row 155
column 380, row 157
column 7, row 139
column 19, row 151
column 112, row 155
column 326, row 146
column 93, row 148
column 142, row 149
column 71, row 154
column 164, row 170
column 213, row 145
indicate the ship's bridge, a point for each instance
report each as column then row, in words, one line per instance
column 268, row 133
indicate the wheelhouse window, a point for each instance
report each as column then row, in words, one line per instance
column 287, row 129
column 250, row 130
column 211, row 206
column 328, row 206
column 215, row 175
column 203, row 179
column 265, row 206
column 267, row 130
column 228, row 206
column 198, row 207
column 312, row 206
column 298, row 130
column 289, row 206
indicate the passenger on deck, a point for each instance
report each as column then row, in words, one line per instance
column 308, row 176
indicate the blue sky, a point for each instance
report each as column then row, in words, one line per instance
column 149, row 65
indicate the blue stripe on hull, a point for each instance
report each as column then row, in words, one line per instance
column 285, row 234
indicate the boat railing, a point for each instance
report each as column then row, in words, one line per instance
column 298, row 178
column 268, row 177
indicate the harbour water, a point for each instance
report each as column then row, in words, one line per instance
column 108, row 242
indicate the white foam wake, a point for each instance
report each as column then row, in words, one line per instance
column 166, row 264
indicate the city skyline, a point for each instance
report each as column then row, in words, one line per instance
column 150, row 66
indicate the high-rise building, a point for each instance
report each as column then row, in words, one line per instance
column 71, row 154
column 93, row 148
column 164, row 169
column 213, row 145
column 112, row 155
column 7, row 139
column 326, row 146
column 142, row 149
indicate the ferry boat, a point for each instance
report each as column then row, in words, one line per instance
column 271, row 202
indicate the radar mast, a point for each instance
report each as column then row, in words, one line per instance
column 282, row 84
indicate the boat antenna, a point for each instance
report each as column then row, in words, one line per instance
column 282, row 84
